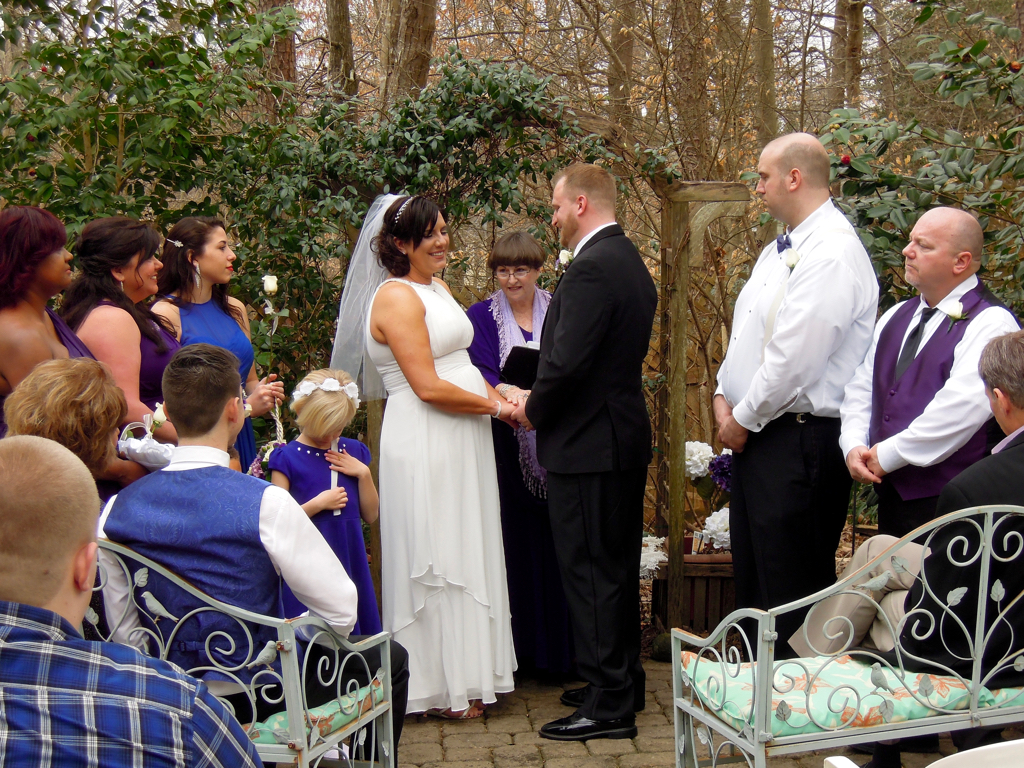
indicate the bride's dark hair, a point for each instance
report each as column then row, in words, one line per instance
column 408, row 219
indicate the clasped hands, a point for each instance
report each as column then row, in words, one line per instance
column 518, row 397
column 863, row 464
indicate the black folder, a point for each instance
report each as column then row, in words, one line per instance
column 520, row 368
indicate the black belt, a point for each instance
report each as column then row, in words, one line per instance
column 804, row 418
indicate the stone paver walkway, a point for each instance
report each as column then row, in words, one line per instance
column 506, row 736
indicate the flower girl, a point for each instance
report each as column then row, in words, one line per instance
column 330, row 477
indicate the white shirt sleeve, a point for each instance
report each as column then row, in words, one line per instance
column 856, row 409
column 306, row 562
column 821, row 303
column 958, row 410
column 122, row 616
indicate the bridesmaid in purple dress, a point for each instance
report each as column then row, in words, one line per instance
column 329, row 476
column 106, row 305
column 513, row 316
column 34, row 267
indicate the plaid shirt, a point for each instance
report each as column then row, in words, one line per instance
column 66, row 702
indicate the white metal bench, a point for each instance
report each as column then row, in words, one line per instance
column 747, row 712
column 359, row 717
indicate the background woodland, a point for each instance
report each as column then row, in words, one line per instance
column 287, row 119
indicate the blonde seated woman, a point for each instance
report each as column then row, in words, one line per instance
column 77, row 403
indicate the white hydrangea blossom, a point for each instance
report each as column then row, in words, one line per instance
column 698, row 456
column 716, row 529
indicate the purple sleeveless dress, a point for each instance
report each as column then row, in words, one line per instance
column 73, row 344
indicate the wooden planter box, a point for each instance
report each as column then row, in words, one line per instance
column 709, row 592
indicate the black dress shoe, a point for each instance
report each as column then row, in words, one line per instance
column 575, row 696
column 576, row 727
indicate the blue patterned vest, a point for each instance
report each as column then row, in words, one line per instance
column 204, row 526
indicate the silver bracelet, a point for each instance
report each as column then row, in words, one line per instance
column 503, row 389
column 497, row 413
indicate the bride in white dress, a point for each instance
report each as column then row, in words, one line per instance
column 444, row 586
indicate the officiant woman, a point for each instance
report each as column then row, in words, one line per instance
column 512, row 316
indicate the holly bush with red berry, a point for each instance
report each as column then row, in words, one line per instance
column 887, row 173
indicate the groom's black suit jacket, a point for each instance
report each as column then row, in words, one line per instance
column 587, row 403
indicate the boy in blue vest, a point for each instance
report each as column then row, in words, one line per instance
column 232, row 536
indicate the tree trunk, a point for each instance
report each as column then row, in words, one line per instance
column 341, row 67
column 886, row 83
column 620, row 68
column 408, row 46
column 766, row 114
column 690, row 64
column 837, row 64
column 282, row 60
column 1018, row 22
column 854, row 47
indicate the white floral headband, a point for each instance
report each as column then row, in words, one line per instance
column 307, row 388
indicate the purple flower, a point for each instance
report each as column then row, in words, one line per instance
column 720, row 469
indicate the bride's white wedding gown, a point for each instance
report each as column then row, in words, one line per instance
column 444, row 585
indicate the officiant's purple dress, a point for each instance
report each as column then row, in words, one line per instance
column 540, row 614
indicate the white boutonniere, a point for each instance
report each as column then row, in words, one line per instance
column 564, row 257
column 791, row 257
column 955, row 314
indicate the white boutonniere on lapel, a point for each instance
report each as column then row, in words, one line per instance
column 564, row 257
column 791, row 257
column 955, row 314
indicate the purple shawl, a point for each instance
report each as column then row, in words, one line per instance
column 511, row 335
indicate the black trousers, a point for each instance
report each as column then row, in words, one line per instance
column 317, row 694
column 790, row 494
column 597, row 523
column 897, row 517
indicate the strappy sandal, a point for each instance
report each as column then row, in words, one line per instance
column 469, row 713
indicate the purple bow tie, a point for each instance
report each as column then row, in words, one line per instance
column 783, row 243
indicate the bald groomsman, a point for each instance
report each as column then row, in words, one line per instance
column 801, row 326
column 917, row 400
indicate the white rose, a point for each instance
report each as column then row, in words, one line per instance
column 564, row 257
column 269, row 284
column 698, row 456
column 159, row 417
column 792, row 257
column 956, row 311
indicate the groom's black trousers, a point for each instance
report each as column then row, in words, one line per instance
column 597, row 523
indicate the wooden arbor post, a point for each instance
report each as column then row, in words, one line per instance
column 687, row 210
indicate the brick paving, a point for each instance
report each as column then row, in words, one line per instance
column 506, row 736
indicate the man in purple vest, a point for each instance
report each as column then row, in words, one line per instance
column 917, row 399
column 801, row 326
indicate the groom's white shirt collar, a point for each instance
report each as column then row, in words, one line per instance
column 590, row 236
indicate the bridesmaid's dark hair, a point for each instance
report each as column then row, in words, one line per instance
column 28, row 236
column 179, row 273
column 103, row 245
column 408, row 218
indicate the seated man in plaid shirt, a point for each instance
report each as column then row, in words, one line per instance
column 65, row 701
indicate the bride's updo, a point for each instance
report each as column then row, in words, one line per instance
column 408, row 219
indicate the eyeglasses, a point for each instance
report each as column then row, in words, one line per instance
column 504, row 273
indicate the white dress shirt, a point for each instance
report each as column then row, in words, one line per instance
column 590, row 236
column 958, row 409
column 822, row 329
column 297, row 549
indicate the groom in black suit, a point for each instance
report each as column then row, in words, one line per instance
column 594, row 439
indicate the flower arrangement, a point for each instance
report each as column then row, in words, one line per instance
column 711, row 476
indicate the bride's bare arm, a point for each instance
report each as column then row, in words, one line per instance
column 398, row 319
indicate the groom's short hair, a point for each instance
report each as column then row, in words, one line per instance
column 592, row 181
column 197, row 384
